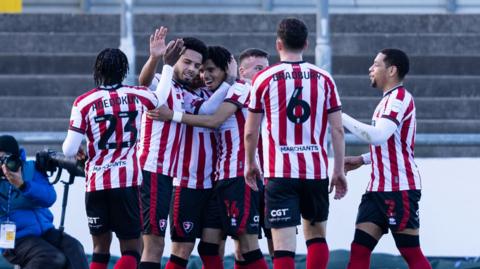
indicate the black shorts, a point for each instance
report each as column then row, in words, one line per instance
column 156, row 193
column 396, row 210
column 187, row 210
column 114, row 210
column 288, row 198
column 234, row 208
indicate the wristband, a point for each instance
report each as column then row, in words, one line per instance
column 366, row 158
column 177, row 116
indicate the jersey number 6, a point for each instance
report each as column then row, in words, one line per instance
column 292, row 105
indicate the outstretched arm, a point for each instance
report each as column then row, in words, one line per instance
column 375, row 135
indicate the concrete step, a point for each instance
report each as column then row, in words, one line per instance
column 342, row 44
column 349, row 86
column 427, row 107
column 419, row 86
column 47, row 63
column 60, row 23
column 405, row 23
column 235, row 42
column 339, row 23
column 206, row 23
column 57, row 43
column 419, row 65
column 16, row 124
column 413, row 44
column 358, row 107
column 45, row 85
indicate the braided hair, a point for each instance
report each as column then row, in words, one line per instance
column 111, row 67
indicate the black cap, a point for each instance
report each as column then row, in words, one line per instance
column 9, row 144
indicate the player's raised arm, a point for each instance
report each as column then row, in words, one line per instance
column 172, row 53
column 157, row 49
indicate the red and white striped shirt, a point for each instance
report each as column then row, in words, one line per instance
column 110, row 119
column 197, row 156
column 296, row 99
column 159, row 140
column 231, row 159
column 393, row 166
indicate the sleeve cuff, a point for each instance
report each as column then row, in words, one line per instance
column 254, row 110
column 234, row 102
column 391, row 118
column 75, row 129
column 334, row 109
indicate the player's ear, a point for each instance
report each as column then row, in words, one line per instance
column 279, row 44
column 305, row 46
column 241, row 69
column 393, row 71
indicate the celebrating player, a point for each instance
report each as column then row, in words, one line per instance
column 391, row 200
column 293, row 102
column 109, row 116
column 160, row 141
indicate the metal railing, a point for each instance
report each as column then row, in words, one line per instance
column 239, row 6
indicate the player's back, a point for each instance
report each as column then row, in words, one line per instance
column 296, row 98
column 111, row 119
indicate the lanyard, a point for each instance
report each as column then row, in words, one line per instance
column 8, row 201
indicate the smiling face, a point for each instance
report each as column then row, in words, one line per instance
column 212, row 75
column 187, row 67
column 250, row 66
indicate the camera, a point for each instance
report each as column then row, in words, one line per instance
column 12, row 162
column 48, row 161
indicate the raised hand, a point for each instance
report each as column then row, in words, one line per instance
column 157, row 42
column 173, row 52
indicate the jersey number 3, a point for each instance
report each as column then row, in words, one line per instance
column 113, row 120
column 294, row 103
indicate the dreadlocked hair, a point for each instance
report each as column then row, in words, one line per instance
column 111, row 67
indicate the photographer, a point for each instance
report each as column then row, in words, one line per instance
column 25, row 196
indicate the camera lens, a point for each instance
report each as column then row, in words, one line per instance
column 13, row 164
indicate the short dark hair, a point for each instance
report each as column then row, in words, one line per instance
column 398, row 58
column 197, row 45
column 220, row 56
column 9, row 144
column 111, row 67
column 293, row 33
column 252, row 52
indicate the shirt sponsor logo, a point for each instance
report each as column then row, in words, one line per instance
column 107, row 166
column 299, row 148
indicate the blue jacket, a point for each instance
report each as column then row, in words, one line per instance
column 28, row 207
